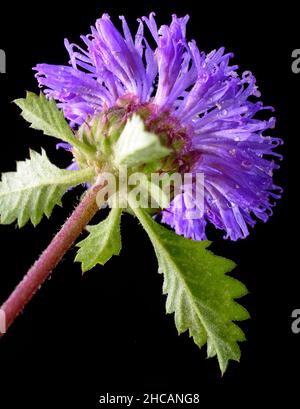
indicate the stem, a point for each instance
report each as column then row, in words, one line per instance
column 48, row 260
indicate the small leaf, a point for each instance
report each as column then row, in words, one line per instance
column 44, row 115
column 35, row 188
column 102, row 243
column 199, row 292
column 136, row 146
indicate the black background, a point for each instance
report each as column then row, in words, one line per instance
column 107, row 331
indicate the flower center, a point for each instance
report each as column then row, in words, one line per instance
column 102, row 130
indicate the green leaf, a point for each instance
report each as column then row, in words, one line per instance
column 44, row 115
column 199, row 292
column 136, row 146
column 35, row 188
column 102, row 243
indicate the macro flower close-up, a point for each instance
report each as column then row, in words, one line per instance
column 198, row 102
column 153, row 129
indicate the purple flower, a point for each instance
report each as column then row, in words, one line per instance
column 195, row 97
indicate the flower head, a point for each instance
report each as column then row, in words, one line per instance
column 206, row 110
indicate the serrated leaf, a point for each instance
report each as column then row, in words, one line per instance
column 103, row 241
column 198, row 291
column 35, row 188
column 136, row 146
column 44, row 115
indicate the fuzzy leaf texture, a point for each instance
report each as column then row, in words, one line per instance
column 199, row 292
column 103, row 241
column 136, row 146
column 44, row 115
column 35, row 188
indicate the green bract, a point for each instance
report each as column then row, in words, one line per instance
column 136, row 146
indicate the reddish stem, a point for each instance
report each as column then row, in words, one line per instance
column 48, row 260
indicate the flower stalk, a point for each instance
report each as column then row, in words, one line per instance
column 51, row 256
